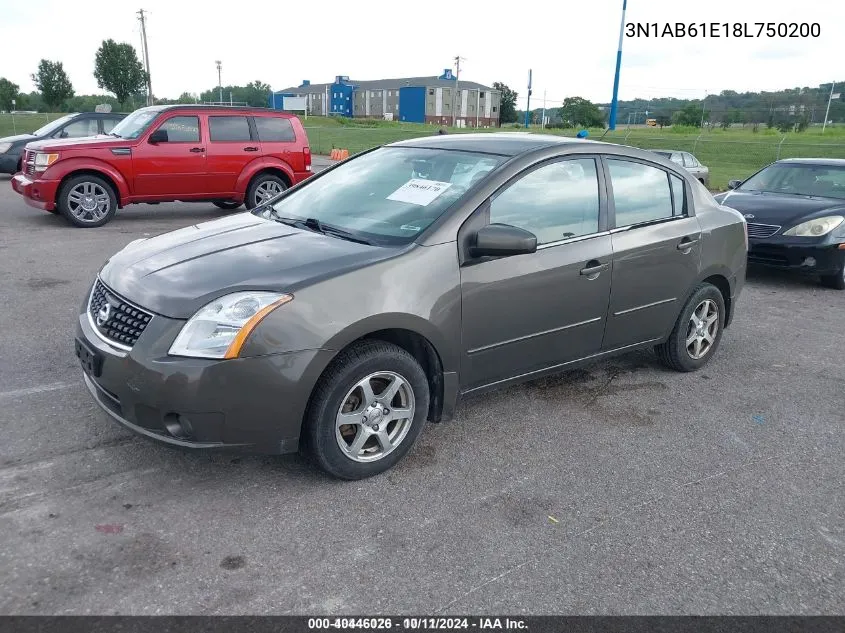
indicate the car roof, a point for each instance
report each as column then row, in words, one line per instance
column 213, row 108
column 503, row 143
column 830, row 162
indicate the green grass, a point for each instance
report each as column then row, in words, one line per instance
column 25, row 123
column 732, row 153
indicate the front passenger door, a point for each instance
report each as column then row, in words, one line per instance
column 656, row 251
column 176, row 167
column 525, row 313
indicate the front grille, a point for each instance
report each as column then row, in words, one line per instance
column 29, row 162
column 760, row 231
column 116, row 319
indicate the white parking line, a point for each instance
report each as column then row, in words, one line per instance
column 29, row 391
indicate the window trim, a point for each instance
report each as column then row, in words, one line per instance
column 164, row 121
column 602, row 191
column 611, row 200
column 231, row 116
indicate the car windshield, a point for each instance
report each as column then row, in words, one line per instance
column 387, row 196
column 52, row 126
column 135, row 124
column 826, row 181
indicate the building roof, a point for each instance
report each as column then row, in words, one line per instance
column 390, row 84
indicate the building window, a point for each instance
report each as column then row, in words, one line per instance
column 494, row 108
column 431, row 91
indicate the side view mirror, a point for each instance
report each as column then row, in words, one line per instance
column 502, row 240
column 733, row 184
column 159, row 136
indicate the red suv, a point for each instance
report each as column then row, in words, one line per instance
column 227, row 155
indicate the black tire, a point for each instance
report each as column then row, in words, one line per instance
column 227, row 205
column 674, row 352
column 320, row 433
column 70, row 209
column 260, row 182
column 837, row 281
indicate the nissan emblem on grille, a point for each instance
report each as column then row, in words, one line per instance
column 115, row 320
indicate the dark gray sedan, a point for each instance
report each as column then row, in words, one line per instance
column 342, row 315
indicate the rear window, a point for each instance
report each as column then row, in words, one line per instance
column 274, row 129
column 228, row 128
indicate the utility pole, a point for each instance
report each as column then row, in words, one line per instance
column 219, row 80
column 543, row 120
column 827, row 112
column 528, row 103
column 146, row 52
column 615, row 102
column 456, row 99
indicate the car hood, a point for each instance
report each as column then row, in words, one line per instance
column 84, row 142
column 177, row 273
column 783, row 210
column 17, row 138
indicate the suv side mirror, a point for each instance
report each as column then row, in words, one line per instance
column 733, row 184
column 159, row 136
column 502, row 240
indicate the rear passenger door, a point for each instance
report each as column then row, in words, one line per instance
column 656, row 250
column 278, row 139
column 232, row 145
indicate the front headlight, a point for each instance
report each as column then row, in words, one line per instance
column 219, row 329
column 43, row 161
column 4, row 147
column 815, row 228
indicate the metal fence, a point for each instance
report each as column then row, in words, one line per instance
column 727, row 158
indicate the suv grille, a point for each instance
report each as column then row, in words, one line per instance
column 115, row 319
column 759, row 231
column 29, row 162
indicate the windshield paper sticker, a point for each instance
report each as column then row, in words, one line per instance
column 419, row 191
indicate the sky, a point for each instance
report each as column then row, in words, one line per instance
column 569, row 44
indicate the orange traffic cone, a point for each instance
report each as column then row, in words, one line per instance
column 334, row 155
column 344, row 154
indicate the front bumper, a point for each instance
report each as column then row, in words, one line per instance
column 254, row 404
column 815, row 259
column 40, row 194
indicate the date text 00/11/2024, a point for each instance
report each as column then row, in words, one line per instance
column 723, row 29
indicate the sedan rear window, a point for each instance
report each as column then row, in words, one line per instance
column 389, row 195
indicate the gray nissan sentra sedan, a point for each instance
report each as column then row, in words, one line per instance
column 346, row 312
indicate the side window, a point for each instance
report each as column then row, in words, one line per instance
column 678, row 195
column 640, row 192
column 228, row 128
column 108, row 125
column 555, row 202
column 77, row 129
column 676, row 158
column 182, row 129
column 689, row 160
column 274, row 129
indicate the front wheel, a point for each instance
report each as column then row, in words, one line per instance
column 263, row 188
column 697, row 332
column 367, row 410
column 87, row 201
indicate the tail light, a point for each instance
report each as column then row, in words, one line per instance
column 306, row 152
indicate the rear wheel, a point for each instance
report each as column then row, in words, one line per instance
column 697, row 332
column 367, row 410
column 262, row 188
column 228, row 205
column 87, row 201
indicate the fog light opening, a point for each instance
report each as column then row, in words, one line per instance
column 809, row 262
column 178, row 426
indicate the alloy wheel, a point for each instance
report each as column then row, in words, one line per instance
column 88, row 202
column 375, row 416
column 702, row 329
column 267, row 190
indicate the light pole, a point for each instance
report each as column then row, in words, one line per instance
column 219, row 80
column 827, row 111
column 615, row 102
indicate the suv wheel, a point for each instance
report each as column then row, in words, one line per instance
column 697, row 332
column 262, row 188
column 87, row 201
column 228, row 205
column 367, row 410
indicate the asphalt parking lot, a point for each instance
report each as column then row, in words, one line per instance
column 621, row 488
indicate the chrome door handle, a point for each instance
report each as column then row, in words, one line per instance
column 686, row 244
column 594, row 268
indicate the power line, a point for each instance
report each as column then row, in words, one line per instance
column 145, row 47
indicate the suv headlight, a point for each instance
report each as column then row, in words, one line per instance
column 43, row 161
column 815, row 228
column 219, row 329
column 4, row 147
